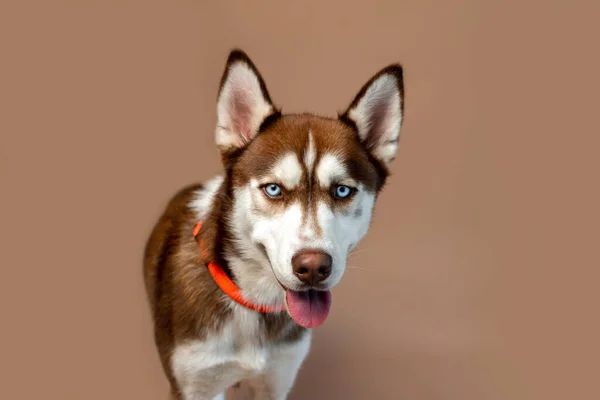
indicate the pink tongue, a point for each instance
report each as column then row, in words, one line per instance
column 310, row 308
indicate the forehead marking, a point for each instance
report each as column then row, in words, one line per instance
column 288, row 170
column 310, row 153
column 330, row 169
column 311, row 228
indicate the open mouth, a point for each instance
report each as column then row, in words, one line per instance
column 308, row 308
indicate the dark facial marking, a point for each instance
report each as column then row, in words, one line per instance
column 358, row 213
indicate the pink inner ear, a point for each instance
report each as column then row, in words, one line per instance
column 242, row 105
column 378, row 120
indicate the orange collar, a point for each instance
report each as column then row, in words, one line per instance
column 229, row 287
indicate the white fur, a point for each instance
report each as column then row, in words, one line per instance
column 280, row 234
column 287, row 171
column 282, row 369
column 241, row 107
column 343, row 231
column 330, row 170
column 378, row 114
column 203, row 200
column 310, row 154
column 239, row 351
column 205, row 369
column 284, row 234
column 309, row 230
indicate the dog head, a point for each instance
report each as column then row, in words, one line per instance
column 302, row 187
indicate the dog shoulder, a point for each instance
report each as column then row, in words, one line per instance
column 170, row 242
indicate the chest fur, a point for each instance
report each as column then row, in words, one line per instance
column 240, row 350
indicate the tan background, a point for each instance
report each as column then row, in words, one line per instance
column 478, row 279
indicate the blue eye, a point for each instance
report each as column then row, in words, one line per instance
column 343, row 192
column 272, row 190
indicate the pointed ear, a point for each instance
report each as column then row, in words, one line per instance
column 377, row 113
column 243, row 103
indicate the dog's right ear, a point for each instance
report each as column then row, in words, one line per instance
column 243, row 103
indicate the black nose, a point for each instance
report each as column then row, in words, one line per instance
column 311, row 266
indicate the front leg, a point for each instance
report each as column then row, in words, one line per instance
column 277, row 381
column 203, row 371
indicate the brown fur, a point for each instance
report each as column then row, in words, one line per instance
column 185, row 301
column 290, row 133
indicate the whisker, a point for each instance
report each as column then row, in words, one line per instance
column 356, row 252
column 360, row 268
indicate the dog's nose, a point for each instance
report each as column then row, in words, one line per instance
column 311, row 266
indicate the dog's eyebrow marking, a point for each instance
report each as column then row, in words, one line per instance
column 288, row 170
column 330, row 169
column 310, row 154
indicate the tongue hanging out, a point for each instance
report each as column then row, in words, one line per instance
column 310, row 308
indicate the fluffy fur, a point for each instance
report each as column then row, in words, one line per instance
column 207, row 342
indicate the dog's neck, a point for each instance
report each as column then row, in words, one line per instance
column 233, row 250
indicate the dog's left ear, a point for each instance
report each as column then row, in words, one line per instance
column 377, row 113
column 243, row 103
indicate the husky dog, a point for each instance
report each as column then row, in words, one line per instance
column 238, row 270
